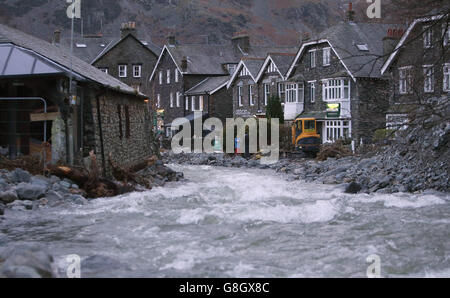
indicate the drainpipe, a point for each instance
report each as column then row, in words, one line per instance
column 100, row 130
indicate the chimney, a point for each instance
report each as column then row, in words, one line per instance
column 305, row 37
column 350, row 15
column 391, row 40
column 128, row 28
column 184, row 63
column 171, row 40
column 56, row 37
column 241, row 43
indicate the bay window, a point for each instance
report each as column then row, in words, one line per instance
column 336, row 129
column 336, row 89
column 291, row 92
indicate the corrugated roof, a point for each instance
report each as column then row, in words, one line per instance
column 208, row 85
column 62, row 57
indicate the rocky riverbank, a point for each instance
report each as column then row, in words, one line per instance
column 19, row 190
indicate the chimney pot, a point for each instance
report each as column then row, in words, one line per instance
column 57, row 37
column 128, row 28
column 171, row 40
column 350, row 13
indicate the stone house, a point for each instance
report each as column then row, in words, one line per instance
column 100, row 113
column 129, row 59
column 336, row 79
column 419, row 68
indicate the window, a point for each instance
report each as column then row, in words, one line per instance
column 446, row 33
column 187, row 103
column 168, row 76
column 231, row 68
column 405, row 79
column 171, row 100
column 336, row 89
column 240, row 96
column 137, row 71
column 312, row 91
column 250, row 95
column 301, row 92
column 291, row 92
column 428, row 37
column 158, row 103
column 193, row 103
column 336, row 129
column 244, row 72
column 104, row 69
column 282, row 92
column 266, row 94
column 446, row 78
column 200, row 103
column 312, row 58
column 119, row 115
column 271, row 68
column 160, row 77
column 178, row 99
column 127, row 123
column 122, row 71
column 362, row 47
column 176, row 75
column 326, row 56
column 428, row 75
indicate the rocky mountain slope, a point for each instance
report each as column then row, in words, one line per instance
column 193, row 21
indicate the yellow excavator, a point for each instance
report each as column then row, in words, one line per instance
column 305, row 137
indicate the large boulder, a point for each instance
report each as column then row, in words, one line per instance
column 31, row 192
column 8, row 196
column 27, row 262
column 19, row 176
column 353, row 188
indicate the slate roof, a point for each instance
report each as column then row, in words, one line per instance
column 115, row 41
column 62, row 58
column 208, row 59
column 344, row 39
column 253, row 65
column 93, row 47
column 282, row 61
column 208, row 85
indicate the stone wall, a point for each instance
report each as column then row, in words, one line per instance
column 126, row 138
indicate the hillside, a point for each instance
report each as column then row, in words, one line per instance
column 193, row 21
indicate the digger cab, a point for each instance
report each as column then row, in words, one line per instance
column 305, row 136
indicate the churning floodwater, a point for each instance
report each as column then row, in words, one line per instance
column 244, row 223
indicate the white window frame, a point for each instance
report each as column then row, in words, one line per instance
column 427, row 37
column 158, row 102
column 326, row 56
column 291, row 93
column 405, row 79
column 312, row 91
column 137, row 71
column 266, row 94
column 335, row 89
column 240, row 96
column 313, row 58
column 193, row 103
column 187, row 103
column 122, row 70
column 336, row 129
column 178, row 99
column 200, row 103
column 168, row 76
column 428, row 76
column 244, row 72
column 446, row 77
column 250, row 95
column 446, row 33
column 160, row 77
column 176, row 76
column 171, row 99
column 282, row 92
